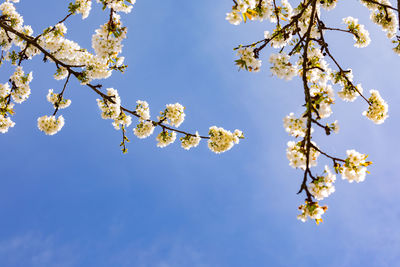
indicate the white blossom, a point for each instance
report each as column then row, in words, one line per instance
column 7, row 9
column 60, row 29
column 396, row 49
column 190, row 141
column 278, row 38
column 296, row 155
column 349, row 93
column 4, row 90
column 165, row 138
column 108, row 109
column 294, row 126
column 311, row 210
column 259, row 10
column 61, row 73
column 222, row 140
column 324, row 97
column 143, row 110
column 318, row 70
column 335, row 127
column 385, row 17
column 378, row 109
column 323, row 186
column 118, row 5
column 69, row 52
column 354, row 168
column 107, row 43
column 360, row 34
column 5, row 124
column 144, row 129
column 21, row 81
column 234, row 17
column 50, row 125
column 83, row 7
column 174, row 114
column 247, row 60
column 122, row 120
column 281, row 66
column 56, row 101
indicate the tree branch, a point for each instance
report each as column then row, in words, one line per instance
column 32, row 41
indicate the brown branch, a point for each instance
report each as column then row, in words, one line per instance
column 382, row 5
column 325, row 127
column 293, row 21
column 77, row 75
column 324, row 46
column 398, row 12
column 307, row 94
column 60, row 96
column 276, row 13
column 326, row 155
column 336, row 29
column 54, row 27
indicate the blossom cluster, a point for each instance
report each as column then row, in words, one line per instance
column 81, row 7
column 173, row 115
column 50, row 125
column 378, row 109
column 281, row 66
column 279, row 38
column 118, row 5
column 16, row 21
column 144, row 129
column 297, row 155
column 318, row 70
column 165, row 138
column 122, row 121
column 360, row 34
column 354, row 168
column 247, row 60
column 57, row 100
column 143, row 110
column 84, row 6
column 323, row 97
column 222, row 140
column 383, row 16
column 189, row 141
column 20, row 82
column 295, row 126
column 334, row 126
column 107, row 41
column 19, row 91
column 311, row 210
column 61, row 73
column 5, row 123
column 70, row 53
column 110, row 107
column 323, row 186
column 259, row 10
column 349, row 92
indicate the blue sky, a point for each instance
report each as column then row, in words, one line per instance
column 74, row 199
